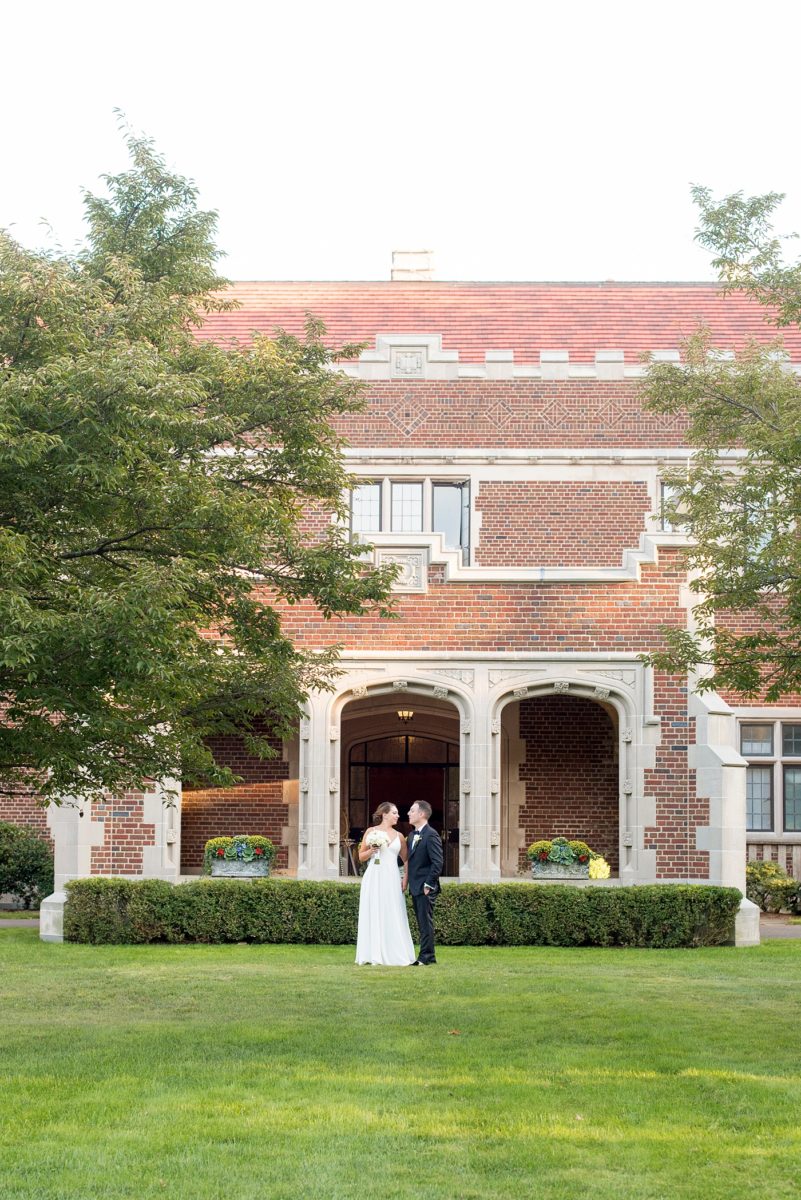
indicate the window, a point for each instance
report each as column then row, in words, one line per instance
column 407, row 507
column 414, row 506
column 365, row 508
column 452, row 515
column 774, row 771
column 668, row 493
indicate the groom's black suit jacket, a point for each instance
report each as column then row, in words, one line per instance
column 425, row 861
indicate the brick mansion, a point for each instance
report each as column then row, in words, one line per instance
column 505, row 463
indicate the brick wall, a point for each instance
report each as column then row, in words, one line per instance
column 570, row 773
column 20, row 808
column 523, row 413
column 559, row 524
column 254, row 806
column 125, row 835
column 741, row 624
column 678, row 811
column 568, row 618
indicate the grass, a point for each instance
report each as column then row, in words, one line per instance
column 19, row 914
column 257, row 1071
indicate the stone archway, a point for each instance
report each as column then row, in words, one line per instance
column 385, row 757
column 564, row 760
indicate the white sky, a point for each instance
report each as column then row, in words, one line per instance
column 518, row 141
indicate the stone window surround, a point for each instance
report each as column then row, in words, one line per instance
column 490, row 466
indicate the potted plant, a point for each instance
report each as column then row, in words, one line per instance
column 560, row 858
column 240, row 856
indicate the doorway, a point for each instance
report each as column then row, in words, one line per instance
column 401, row 769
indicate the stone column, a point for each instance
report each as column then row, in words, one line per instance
column 481, row 856
column 74, row 835
column 318, row 832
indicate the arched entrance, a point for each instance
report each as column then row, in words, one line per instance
column 562, row 776
column 400, row 759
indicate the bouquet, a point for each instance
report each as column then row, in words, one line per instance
column 377, row 837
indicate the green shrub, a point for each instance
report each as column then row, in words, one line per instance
column 103, row 910
column 769, row 886
column 248, row 847
column 26, row 864
column 560, row 850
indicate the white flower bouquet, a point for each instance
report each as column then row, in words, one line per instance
column 377, row 838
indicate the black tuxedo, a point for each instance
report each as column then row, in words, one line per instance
column 425, row 867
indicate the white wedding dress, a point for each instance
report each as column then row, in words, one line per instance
column 384, row 938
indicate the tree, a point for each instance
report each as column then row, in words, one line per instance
column 151, row 493
column 740, row 499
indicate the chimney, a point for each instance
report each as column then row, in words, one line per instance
column 412, row 264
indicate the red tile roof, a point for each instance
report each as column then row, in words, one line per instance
column 524, row 317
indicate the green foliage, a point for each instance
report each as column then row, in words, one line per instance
column 739, row 500
column 560, row 850
column 769, row 886
column 151, row 489
column 242, row 846
column 26, row 864
column 102, row 910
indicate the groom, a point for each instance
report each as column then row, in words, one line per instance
column 425, row 867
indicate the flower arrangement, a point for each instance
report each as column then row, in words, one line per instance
column 242, row 847
column 377, row 837
column 572, row 856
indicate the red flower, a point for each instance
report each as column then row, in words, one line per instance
column 543, row 856
column 220, row 852
column 582, row 858
column 258, row 850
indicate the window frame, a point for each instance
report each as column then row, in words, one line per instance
column 428, row 485
column 777, row 763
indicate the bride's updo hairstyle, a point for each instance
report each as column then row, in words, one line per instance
column 379, row 812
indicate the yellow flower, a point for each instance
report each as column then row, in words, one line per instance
column 599, row 868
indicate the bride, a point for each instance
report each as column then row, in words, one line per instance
column 384, row 938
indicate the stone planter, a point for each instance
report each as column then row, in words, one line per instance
column 235, row 868
column 551, row 870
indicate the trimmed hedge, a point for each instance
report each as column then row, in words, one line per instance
column 102, row 910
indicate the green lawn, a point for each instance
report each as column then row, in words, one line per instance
column 259, row 1071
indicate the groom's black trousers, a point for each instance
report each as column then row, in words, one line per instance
column 424, row 911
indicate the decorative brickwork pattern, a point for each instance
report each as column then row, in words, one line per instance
column 536, row 415
column 571, row 774
column 559, row 524
column 254, row 806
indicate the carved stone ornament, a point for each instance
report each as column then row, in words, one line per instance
column 495, row 837
column 304, row 784
column 305, row 730
column 333, row 837
column 409, row 363
column 359, row 692
column 494, row 786
column 440, row 693
column 466, row 786
column 520, row 693
column 467, row 677
column 627, row 735
column 561, row 687
column 412, row 574
column 466, row 726
column 333, row 784
column 303, row 837
column 400, row 685
column 333, row 733
column 627, row 788
column 496, row 725
column 464, row 837
column 602, row 693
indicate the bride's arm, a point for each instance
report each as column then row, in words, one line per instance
column 366, row 852
column 404, row 854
